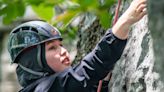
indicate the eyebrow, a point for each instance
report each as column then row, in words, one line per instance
column 49, row 41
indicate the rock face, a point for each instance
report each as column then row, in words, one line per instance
column 89, row 33
column 135, row 70
column 143, row 56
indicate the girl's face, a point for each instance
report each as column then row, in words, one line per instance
column 57, row 56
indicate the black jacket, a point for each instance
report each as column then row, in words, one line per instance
column 85, row 76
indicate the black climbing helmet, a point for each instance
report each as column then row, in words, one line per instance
column 30, row 34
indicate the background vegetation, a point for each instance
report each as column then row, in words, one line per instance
column 57, row 11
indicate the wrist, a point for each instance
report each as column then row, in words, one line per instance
column 121, row 28
column 126, row 20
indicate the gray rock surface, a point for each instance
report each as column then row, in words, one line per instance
column 135, row 70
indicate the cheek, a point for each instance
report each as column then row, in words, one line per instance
column 50, row 57
column 53, row 60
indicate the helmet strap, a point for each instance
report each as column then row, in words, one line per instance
column 44, row 61
column 39, row 56
column 32, row 72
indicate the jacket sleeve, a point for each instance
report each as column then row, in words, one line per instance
column 96, row 65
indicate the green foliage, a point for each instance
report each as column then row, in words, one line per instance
column 69, row 32
column 34, row 2
column 105, row 18
column 44, row 8
column 11, row 10
column 83, row 6
column 87, row 5
column 43, row 11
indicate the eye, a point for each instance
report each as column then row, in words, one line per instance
column 53, row 48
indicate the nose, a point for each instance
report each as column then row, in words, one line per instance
column 63, row 51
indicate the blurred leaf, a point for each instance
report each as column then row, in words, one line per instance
column 53, row 2
column 3, row 9
column 66, row 17
column 34, row 2
column 45, row 12
column 10, row 13
column 72, row 32
column 20, row 8
column 45, row 2
column 105, row 19
column 87, row 5
column 69, row 32
column 69, row 5
column 11, row 10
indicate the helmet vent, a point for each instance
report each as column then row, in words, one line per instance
column 26, row 28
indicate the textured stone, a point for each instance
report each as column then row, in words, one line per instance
column 135, row 70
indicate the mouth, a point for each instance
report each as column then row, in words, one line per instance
column 66, row 61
